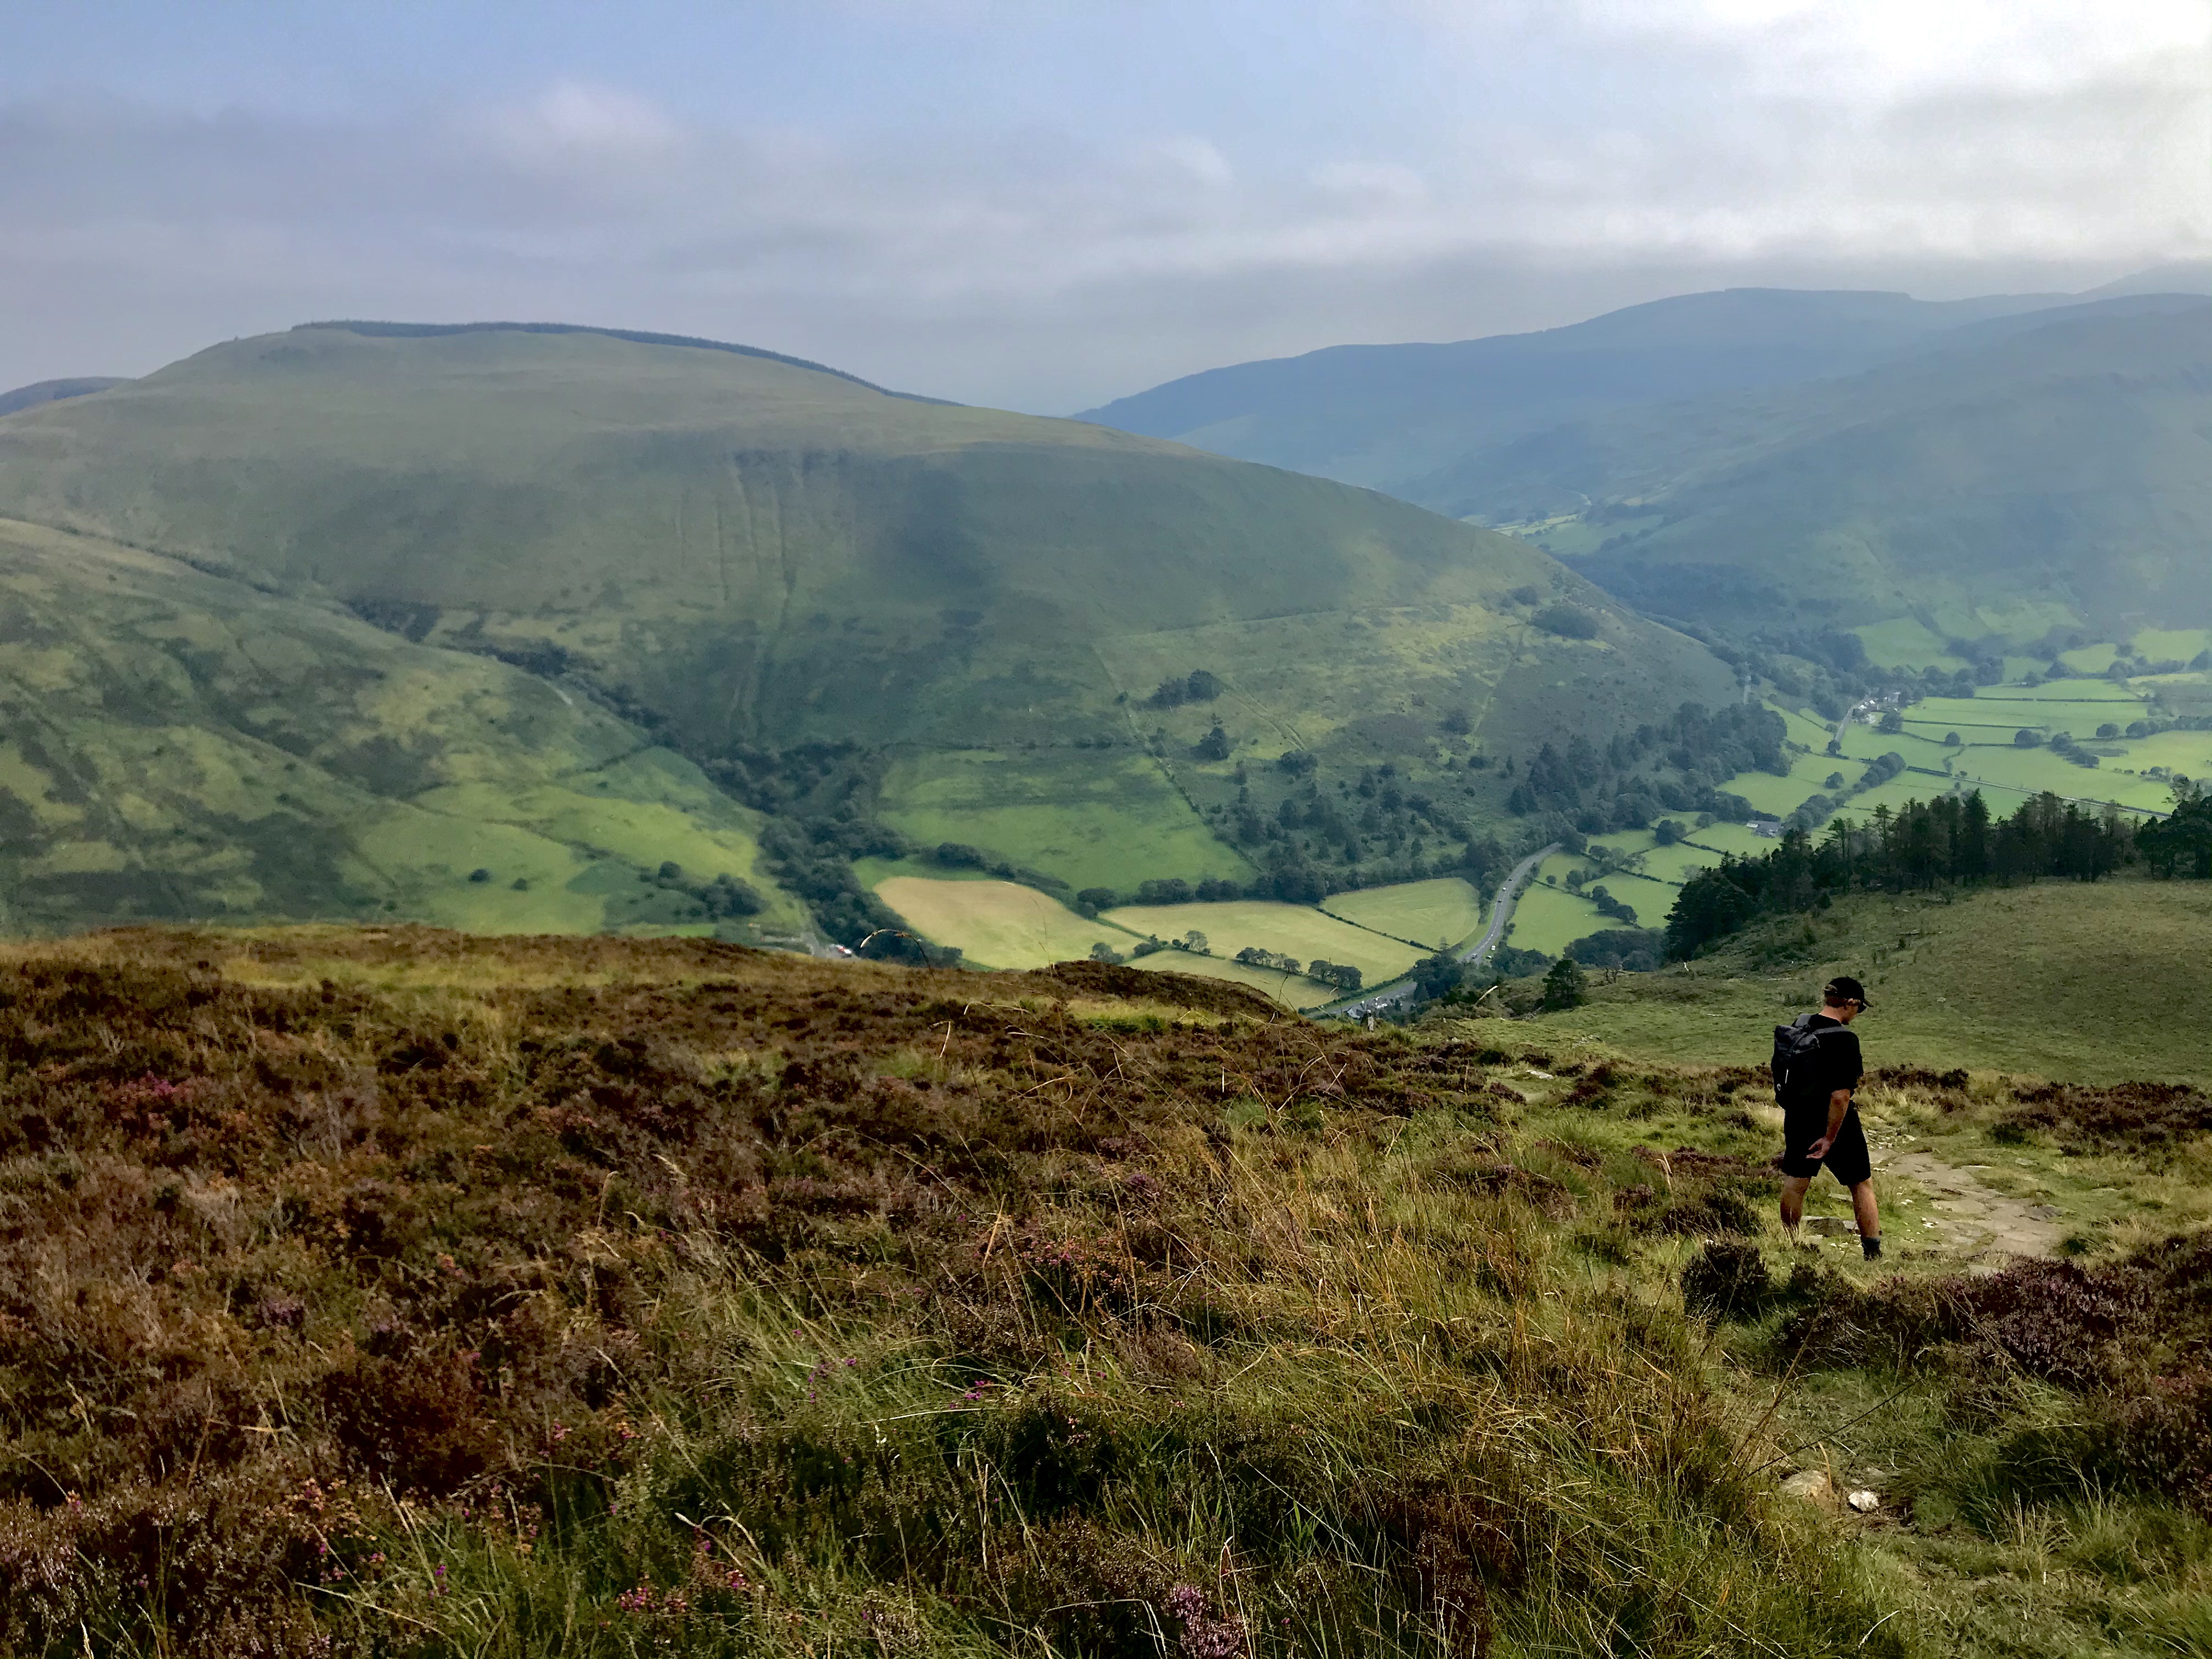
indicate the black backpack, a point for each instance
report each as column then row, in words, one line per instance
column 1796, row 1062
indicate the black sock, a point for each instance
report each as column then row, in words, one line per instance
column 1870, row 1246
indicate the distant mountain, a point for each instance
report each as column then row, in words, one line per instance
column 51, row 391
column 1390, row 416
column 2182, row 277
column 2021, row 479
column 842, row 603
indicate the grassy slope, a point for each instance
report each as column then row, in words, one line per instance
column 2060, row 980
column 173, row 744
column 692, row 1295
column 1976, row 492
column 759, row 552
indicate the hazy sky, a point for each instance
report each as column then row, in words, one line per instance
column 1045, row 204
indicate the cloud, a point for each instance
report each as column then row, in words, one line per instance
column 1577, row 154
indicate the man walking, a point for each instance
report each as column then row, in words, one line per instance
column 1816, row 1067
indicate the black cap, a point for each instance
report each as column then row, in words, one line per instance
column 1843, row 989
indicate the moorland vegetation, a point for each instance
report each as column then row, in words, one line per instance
column 409, row 1293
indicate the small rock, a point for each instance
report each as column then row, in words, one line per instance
column 2044, row 1211
column 1811, row 1485
column 1866, row 1502
column 1831, row 1226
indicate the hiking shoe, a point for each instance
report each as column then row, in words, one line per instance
column 1871, row 1247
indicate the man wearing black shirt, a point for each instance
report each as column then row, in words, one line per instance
column 1819, row 1124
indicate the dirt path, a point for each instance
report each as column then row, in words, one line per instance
column 1971, row 1221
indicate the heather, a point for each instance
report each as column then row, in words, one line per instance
column 398, row 1292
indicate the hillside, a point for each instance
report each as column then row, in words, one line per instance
column 1397, row 417
column 177, row 745
column 380, row 1292
column 2059, row 476
column 51, row 391
column 2098, row 983
column 838, row 599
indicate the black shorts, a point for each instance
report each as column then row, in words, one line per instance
column 1847, row 1160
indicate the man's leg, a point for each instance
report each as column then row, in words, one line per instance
column 1793, row 1203
column 1870, row 1218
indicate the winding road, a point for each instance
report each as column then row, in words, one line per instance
column 1501, row 918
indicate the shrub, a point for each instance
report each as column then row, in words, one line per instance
column 1568, row 622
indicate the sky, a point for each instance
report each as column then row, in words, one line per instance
column 1044, row 204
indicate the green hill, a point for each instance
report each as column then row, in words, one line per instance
column 52, row 391
column 2056, row 476
column 1397, row 416
column 840, row 601
column 2093, row 983
column 174, row 745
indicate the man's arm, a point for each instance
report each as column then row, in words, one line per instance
column 1838, row 1103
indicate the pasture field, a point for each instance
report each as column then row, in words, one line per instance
column 1778, row 797
column 2092, row 658
column 1904, row 642
column 1809, row 730
column 2162, row 644
column 1731, row 838
column 2020, row 772
column 1094, row 819
column 997, row 924
column 2189, row 753
column 1549, row 919
column 1441, row 912
column 2101, row 982
column 1290, row 930
column 1288, row 990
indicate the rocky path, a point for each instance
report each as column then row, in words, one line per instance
column 1971, row 1220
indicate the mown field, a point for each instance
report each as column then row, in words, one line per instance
column 998, row 923
column 406, row 1293
column 1441, row 912
column 1293, row 930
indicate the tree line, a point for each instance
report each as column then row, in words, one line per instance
column 1952, row 841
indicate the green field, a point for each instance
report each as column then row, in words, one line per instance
column 1442, row 912
column 2161, row 644
column 1109, row 819
column 1904, row 642
column 2101, row 982
column 997, row 924
column 1290, row 930
column 1291, row 990
column 1549, row 919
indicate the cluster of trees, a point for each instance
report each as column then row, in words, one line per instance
column 1568, row 622
column 1631, row 950
column 1922, row 845
column 2181, row 843
column 1337, row 975
column 1197, row 686
column 1817, row 810
column 722, row 898
column 1674, row 766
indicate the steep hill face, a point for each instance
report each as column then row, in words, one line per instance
column 176, row 745
column 765, row 563
column 1393, row 417
column 2061, row 476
